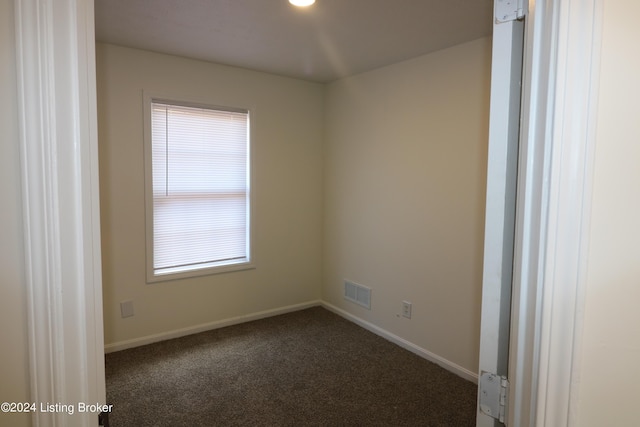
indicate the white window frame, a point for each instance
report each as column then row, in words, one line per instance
column 248, row 262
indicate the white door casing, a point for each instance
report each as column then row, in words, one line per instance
column 562, row 56
column 55, row 52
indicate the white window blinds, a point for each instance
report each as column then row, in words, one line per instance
column 200, row 180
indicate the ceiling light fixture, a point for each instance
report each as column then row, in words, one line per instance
column 302, row 3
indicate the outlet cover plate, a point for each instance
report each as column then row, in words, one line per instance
column 406, row 309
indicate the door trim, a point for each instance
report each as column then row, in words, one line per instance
column 55, row 59
column 561, row 63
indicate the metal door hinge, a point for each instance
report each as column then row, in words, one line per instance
column 103, row 419
column 509, row 10
column 494, row 393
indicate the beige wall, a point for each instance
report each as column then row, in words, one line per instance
column 405, row 178
column 14, row 356
column 608, row 377
column 287, row 160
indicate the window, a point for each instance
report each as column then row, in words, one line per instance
column 198, row 193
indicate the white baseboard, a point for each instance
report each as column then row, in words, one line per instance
column 177, row 333
column 446, row 364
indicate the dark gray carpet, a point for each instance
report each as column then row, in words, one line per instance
column 308, row 368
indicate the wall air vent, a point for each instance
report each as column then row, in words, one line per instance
column 358, row 294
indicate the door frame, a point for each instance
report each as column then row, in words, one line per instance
column 555, row 170
column 500, row 208
column 562, row 60
column 55, row 60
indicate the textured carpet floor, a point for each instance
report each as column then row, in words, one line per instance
column 308, row 368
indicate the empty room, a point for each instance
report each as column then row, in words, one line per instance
column 368, row 172
column 343, row 213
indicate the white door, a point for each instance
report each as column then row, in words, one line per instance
column 506, row 75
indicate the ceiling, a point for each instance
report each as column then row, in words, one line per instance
column 327, row 41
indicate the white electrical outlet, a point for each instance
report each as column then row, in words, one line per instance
column 406, row 309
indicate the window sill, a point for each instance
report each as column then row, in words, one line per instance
column 199, row 272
